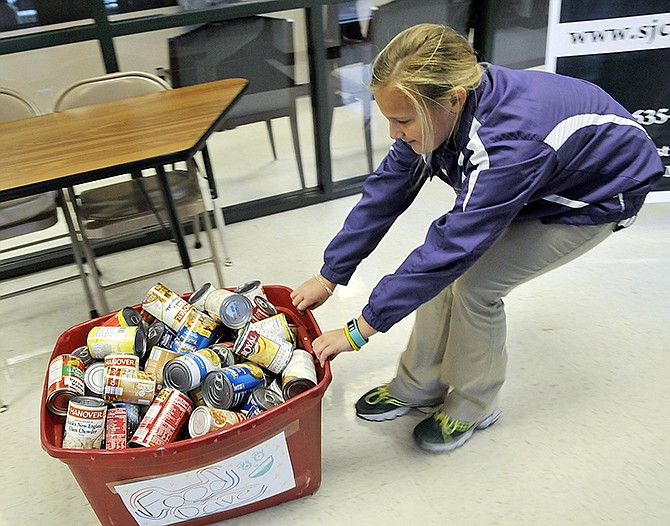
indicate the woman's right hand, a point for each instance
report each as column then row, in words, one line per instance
column 311, row 294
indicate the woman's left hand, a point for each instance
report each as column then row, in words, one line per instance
column 330, row 344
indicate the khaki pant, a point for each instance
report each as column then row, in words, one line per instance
column 457, row 345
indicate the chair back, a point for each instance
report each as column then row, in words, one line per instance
column 14, row 106
column 107, row 88
column 257, row 48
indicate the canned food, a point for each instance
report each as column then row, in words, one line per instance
column 233, row 310
column 126, row 385
column 102, row 341
column 122, row 421
column 224, row 350
column 94, row 379
column 228, row 387
column 126, row 317
column 259, row 400
column 187, row 371
column 198, row 332
column 66, row 380
column 205, row 420
column 167, row 306
column 85, row 423
column 84, row 355
column 164, row 420
column 271, row 353
column 123, row 361
column 262, row 308
column 158, row 357
column 197, row 299
column 251, row 289
column 299, row 375
column 160, row 334
column 275, row 327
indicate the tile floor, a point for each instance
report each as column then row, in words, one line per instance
column 582, row 440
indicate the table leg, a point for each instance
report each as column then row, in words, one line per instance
column 218, row 214
column 177, row 228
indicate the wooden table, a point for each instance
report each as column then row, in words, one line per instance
column 58, row 150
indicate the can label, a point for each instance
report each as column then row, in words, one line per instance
column 205, row 420
column 102, row 341
column 165, row 418
column 213, row 301
column 299, row 375
column 275, row 327
column 197, row 333
column 84, row 423
column 251, row 289
column 126, row 385
column 167, row 306
column 229, row 387
column 159, row 334
column 272, row 354
column 66, row 380
column 199, row 296
column 122, row 421
column 262, row 309
column 158, row 357
column 127, row 361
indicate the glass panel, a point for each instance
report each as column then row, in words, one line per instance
column 518, row 32
column 41, row 74
column 276, row 104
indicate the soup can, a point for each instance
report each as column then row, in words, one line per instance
column 262, row 309
column 160, row 334
column 299, row 375
column 198, row 332
column 126, row 385
column 187, row 371
column 251, row 289
column 158, row 357
column 122, row 421
column 205, row 420
column 126, row 317
column 197, row 299
column 167, row 306
column 260, row 399
column 66, row 381
column 224, row 350
column 275, row 327
column 234, row 310
column 164, row 420
column 228, row 387
column 123, row 361
column 85, row 423
column 102, row 341
column 94, row 379
column 84, row 355
column 273, row 354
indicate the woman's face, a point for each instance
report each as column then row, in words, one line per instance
column 405, row 122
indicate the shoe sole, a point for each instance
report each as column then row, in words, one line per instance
column 443, row 448
column 395, row 413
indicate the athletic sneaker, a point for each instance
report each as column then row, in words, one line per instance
column 377, row 405
column 440, row 433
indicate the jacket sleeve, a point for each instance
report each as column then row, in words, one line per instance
column 386, row 194
column 494, row 191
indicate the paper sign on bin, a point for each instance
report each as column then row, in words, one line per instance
column 253, row 475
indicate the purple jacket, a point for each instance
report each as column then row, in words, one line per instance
column 530, row 145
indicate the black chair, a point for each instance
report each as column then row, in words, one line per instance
column 257, row 48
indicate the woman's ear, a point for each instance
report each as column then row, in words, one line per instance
column 457, row 99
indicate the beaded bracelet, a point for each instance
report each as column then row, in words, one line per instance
column 325, row 285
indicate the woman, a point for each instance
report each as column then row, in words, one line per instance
column 545, row 167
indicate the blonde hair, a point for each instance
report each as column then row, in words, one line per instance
column 426, row 63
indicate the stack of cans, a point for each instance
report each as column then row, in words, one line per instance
column 177, row 368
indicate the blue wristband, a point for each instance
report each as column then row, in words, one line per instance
column 352, row 330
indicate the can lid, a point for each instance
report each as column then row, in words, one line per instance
column 94, row 377
column 199, row 294
column 267, row 398
column 177, row 376
column 236, row 311
column 200, row 422
column 154, row 333
column 247, row 287
column 131, row 317
column 217, row 390
column 88, row 401
column 264, row 304
column 140, row 343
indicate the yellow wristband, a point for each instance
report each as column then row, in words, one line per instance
column 351, row 342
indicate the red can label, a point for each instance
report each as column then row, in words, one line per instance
column 66, row 380
column 164, row 420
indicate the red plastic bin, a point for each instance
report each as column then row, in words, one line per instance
column 99, row 472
